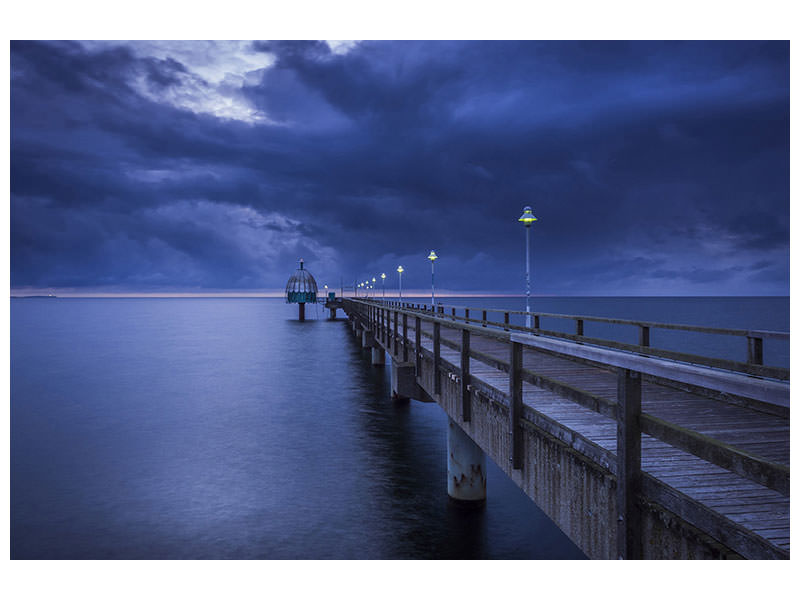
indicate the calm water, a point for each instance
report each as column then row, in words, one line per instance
column 206, row 428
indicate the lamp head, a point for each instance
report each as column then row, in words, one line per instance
column 400, row 269
column 383, row 275
column 432, row 256
column 527, row 217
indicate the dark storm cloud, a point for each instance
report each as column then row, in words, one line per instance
column 653, row 167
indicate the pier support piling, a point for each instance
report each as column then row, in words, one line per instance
column 404, row 381
column 378, row 356
column 466, row 467
column 368, row 339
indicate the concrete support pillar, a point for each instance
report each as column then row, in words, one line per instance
column 333, row 313
column 378, row 356
column 302, row 315
column 404, row 381
column 466, row 467
column 367, row 339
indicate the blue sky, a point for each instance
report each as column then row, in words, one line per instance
column 655, row 168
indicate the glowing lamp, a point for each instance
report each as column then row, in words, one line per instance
column 527, row 217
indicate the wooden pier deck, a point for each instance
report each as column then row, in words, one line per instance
column 742, row 501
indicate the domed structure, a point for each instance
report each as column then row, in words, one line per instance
column 301, row 288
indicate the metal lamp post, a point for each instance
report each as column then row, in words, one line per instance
column 383, row 284
column 432, row 257
column 373, row 286
column 526, row 219
column 400, row 275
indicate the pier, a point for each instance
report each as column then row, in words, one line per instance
column 633, row 451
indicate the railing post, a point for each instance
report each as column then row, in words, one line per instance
column 515, row 405
column 629, row 464
column 453, row 313
column 536, row 321
column 405, row 338
column 484, row 319
column 578, row 326
column 395, row 332
column 418, row 345
column 437, row 384
column 466, row 408
column 644, row 335
column 505, row 321
column 755, row 350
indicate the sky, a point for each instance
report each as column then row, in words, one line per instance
column 654, row 168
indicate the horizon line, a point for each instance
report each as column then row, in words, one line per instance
column 411, row 294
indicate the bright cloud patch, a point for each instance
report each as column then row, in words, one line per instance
column 341, row 46
column 211, row 81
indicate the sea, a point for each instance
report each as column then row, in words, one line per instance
column 224, row 428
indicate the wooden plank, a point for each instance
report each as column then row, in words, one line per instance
column 466, row 401
column 768, row 474
column 515, row 394
column 629, row 465
column 405, row 337
column 418, row 346
column 734, row 536
column 437, row 383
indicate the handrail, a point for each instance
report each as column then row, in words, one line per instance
column 653, row 324
column 732, row 383
column 755, row 338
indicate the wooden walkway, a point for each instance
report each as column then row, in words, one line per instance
column 756, row 508
column 759, row 509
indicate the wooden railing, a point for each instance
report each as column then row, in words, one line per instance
column 754, row 364
column 632, row 483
